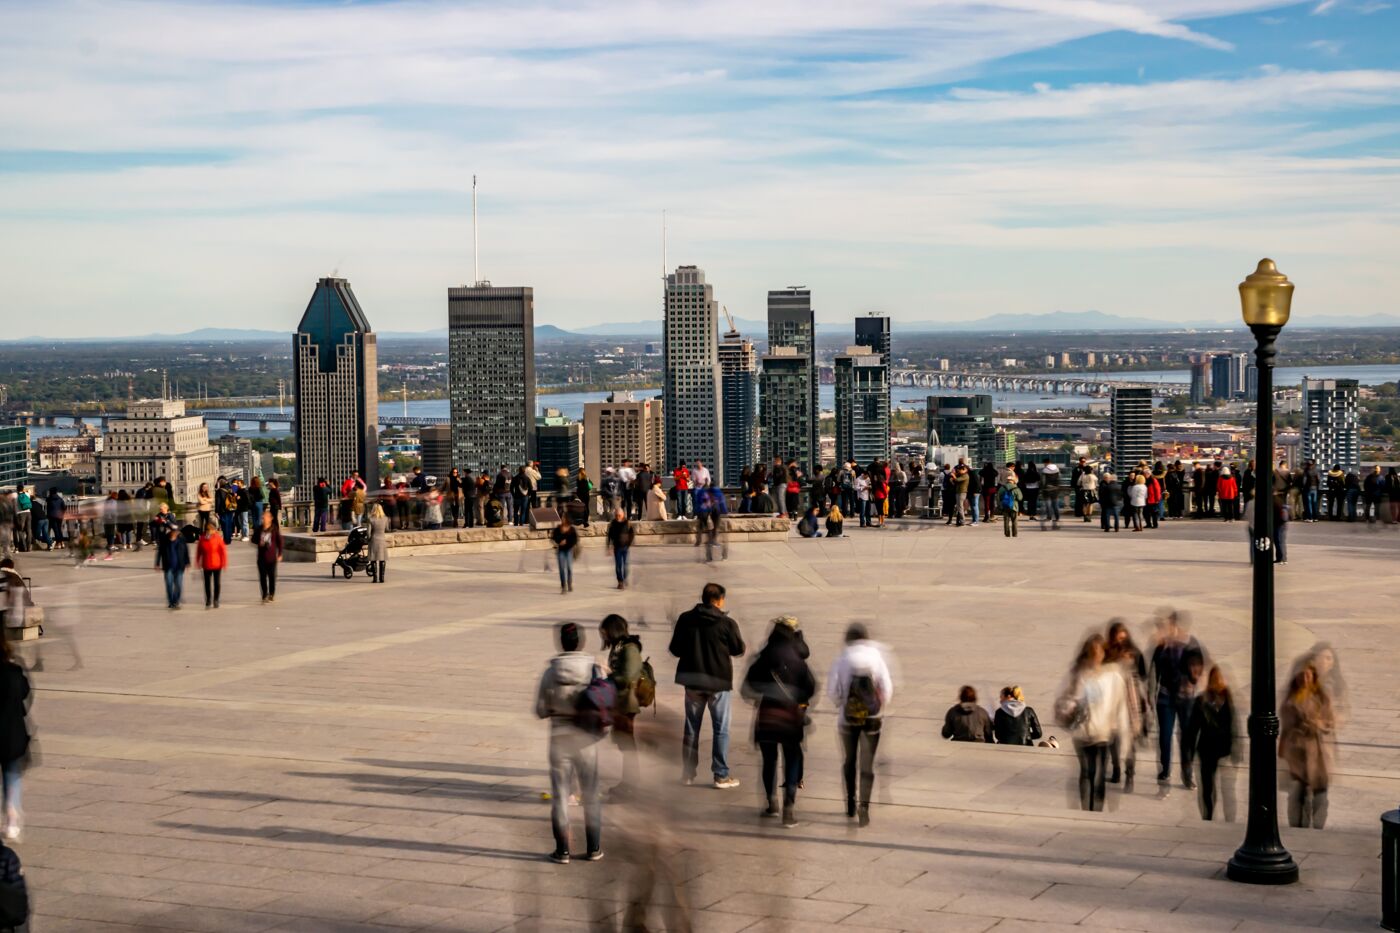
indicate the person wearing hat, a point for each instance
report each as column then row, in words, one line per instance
column 782, row 685
column 1227, row 491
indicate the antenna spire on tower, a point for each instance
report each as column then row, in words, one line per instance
column 476, row 250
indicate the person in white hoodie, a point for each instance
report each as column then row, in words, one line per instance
column 1050, row 485
column 573, row 752
column 1095, row 708
column 860, row 686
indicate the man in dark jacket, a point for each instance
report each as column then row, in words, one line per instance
column 704, row 641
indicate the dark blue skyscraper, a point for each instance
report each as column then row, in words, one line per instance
column 335, row 374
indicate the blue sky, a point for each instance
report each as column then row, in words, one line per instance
column 167, row 166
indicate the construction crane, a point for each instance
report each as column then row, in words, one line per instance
column 733, row 331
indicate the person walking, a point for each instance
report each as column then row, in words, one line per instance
column 1176, row 665
column 625, row 672
column 965, row 721
column 1123, row 652
column 860, row 687
column 1009, row 500
column 704, row 642
column 15, row 696
column 212, row 555
column 1210, row 735
column 573, row 750
column 1015, row 723
column 268, row 540
column 172, row 557
column 378, row 554
column 565, row 539
column 711, row 507
column 781, row 683
column 1095, row 709
column 621, row 534
column 1307, row 727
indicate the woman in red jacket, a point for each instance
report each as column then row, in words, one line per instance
column 1154, row 499
column 212, row 555
column 1227, row 490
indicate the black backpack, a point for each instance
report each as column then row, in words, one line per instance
column 862, row 701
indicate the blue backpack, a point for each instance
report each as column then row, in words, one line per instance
column 1008, row 498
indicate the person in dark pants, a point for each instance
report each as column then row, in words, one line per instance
column 1176, row 667
column 966, row 721
column 14, row 737
column 212, row 554
column 704, row 642
column 321, row 504
column 268, row 540
column 172, row 557
column 860, row 686
column 620, row 537
column 1095, row 708
column 782, row 684
column 469, row 492
column 1210, row 735
column 573, row 752
column 378, row 542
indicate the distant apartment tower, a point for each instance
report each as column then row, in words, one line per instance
column 558, row 443
column 739, row 379
column 691, row 375
column 622, row 428
column 238, row 459
column 1131, row 415
column 963, row 421
column 1251, row 383
column 157, row 438
column 1331, row 431
column 1004, row 446
column 1200, row 380
column 491, row 375
column 792, row 324
column 14, row 456
column 862, row 405
column 873, row 331
column 335, row 375
column 785, row 407
column 435, row 447
column 1228, row 375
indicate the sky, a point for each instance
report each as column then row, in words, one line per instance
column 166, row 166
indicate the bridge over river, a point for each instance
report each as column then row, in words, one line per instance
column 1008, row 382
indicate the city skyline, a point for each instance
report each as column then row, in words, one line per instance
column 1124, row 157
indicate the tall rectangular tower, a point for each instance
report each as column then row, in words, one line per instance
column 862, row 406
column 491, row 375
column 336, row 380
column 1132, row 427
column 739, row 373
column 1332, row 431
column 692, row 380
column 785, row 407
column 622, row 428
column 791, row 323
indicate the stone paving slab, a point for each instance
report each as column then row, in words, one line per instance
column 362, row 757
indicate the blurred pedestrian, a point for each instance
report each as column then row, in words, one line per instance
column 704, row 642
column 573, row 751
column 1176, row 664
column 1122, row 651
column 268, row 540
column 1210, row 735
column 621, row 534
column 781, row 683
column 1095, row 709
column 172, row 557
column 212, row 556
column 565, row 539
column 965, row 721
column 625, row 671
column 1015, row 723
column 860, row 687
column 14, row 736
column 1307, row 727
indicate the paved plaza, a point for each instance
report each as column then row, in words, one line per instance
column 364, row 757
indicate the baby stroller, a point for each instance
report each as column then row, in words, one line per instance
column 354, row 556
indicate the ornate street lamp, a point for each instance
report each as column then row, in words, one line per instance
column 1265, row 298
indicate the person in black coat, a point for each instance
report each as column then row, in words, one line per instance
column 1015, row 723
column 172, row 556
column 782, row 684
column 14, row 735
column 1210, row 736
column 704, row 642
column 967, row 722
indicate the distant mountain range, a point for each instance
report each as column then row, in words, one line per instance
column 1063, row 321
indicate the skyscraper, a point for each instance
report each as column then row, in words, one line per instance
column 622, row 428
column 435, row 445
column 873, row 331
column 1251, row 383
column 792, row 324
column 1331, row 433
column 785, row 407
column 963, row 421
column 1132, row 427
column 1220, row 366
column 862, row 405
column 1200, row 380
column 1239, row 375
column 739, row 373
column 691, row 378
column 558, row 443
column 491, row 375
column 335, row 374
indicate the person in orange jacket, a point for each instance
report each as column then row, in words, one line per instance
column 212, row 556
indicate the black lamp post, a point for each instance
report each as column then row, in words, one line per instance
column 1265, row 298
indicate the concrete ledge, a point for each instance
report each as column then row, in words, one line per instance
column 304, row 547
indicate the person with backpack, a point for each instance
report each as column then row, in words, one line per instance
column 782, row 685
column 704, row 642
column 1015, row 723
column 1009, row 499
column 14, row 893
column 965, row 721
column 860, row 686
column 621, row 534
column 568, row 699
column 635, row 683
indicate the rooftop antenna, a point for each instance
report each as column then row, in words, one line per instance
column 476, row 250
column 665, row 266
column 164, row 385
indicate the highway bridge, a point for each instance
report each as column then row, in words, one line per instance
column 1007, row 382
column 264, row 418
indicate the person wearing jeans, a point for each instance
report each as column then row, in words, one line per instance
column 620, row 537
column 860, row 688
column 705, row 641
column 1176, row 666
column 173, row 556
column 565, row 539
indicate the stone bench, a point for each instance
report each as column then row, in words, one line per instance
column 305, row 547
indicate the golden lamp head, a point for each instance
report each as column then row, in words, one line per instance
column 1266, row 296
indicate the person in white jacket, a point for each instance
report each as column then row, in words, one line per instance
column 860, row 687
column 1095, row 707
column 573, row 753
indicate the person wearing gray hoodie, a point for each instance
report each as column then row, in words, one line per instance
column 1015, row 723
column 573, row 752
